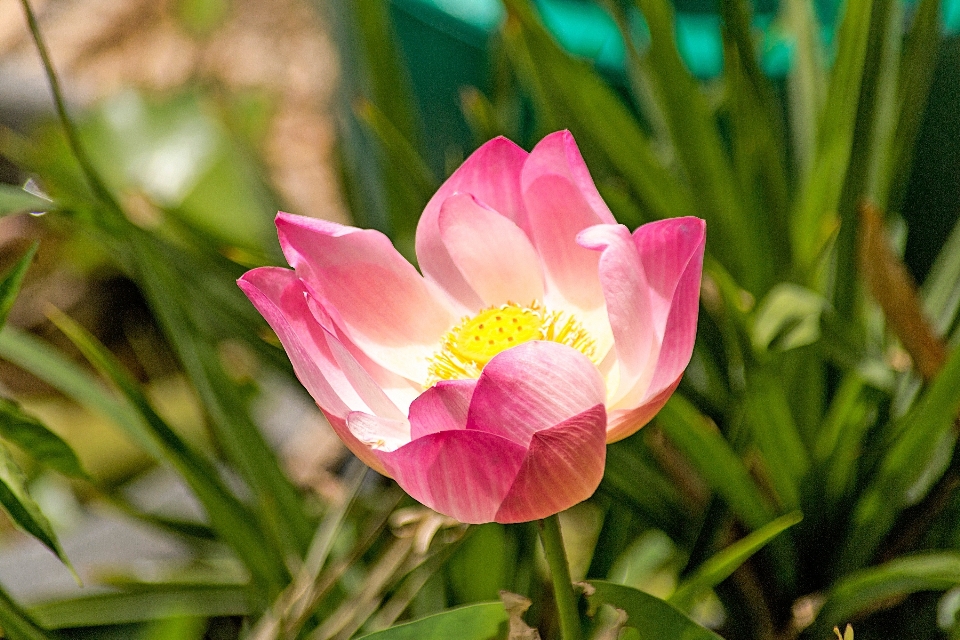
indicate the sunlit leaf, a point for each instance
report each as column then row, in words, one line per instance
column 37, row 440
column 17, row 623
column 227, row 514
column 473, row 622
column 16, row 200
column 724, row 563
column 22, row 509
column 12, row 281
column 653, row 618
column 864, row 590
column 144, row 603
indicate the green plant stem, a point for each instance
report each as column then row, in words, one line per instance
column 97, row 185
column 560, row 577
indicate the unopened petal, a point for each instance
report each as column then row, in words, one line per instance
column 442, row 407
column 563, row 466
column 494, row 255
column 492, row 175
column 379, row 299
column 461, row 473
column 533, row 386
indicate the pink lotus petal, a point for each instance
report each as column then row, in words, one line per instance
column 492, row 175
column 672, row 255
column 668, row 249
column 558, row 154
column 561, row 202
column 462, row 473
column 279, row 296
column 352, row 271
column 378, row 433
column 399, row 390
column 492, row 253
column 358, row 448
column 531, row 387
column 563, row 466
column 625, row 422
column 442, row 407
column 628, row 304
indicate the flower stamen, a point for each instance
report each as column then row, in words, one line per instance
column 470, row 345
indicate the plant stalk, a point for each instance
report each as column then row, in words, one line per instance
column 560, row 577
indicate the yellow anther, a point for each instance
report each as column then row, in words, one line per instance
column 470, row 345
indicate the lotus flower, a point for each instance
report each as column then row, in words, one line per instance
column 539, row 331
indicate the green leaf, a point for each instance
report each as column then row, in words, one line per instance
column 281, row 513
column 484, row 621
column 736, row 233
column 768, row 415
column 144, row 603
column 713, row 458
column 17, row 623
column 570, row 92
column 24, row 512
column 917, row 66
column 918, row 434
column 33, row 437
column 719, row 567
column 941, row 289
column 232, row 520
column 864, row 590
column 788, row 317
column 653, row 618
column 16, row 200
column 10, row 285
column 820, row 192
column 48, row 364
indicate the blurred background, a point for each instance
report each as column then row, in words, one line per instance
column 205, row 117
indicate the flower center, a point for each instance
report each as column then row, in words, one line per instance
column 469, row 346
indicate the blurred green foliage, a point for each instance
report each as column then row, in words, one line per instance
column 803, row 476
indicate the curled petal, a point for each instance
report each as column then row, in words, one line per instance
column 563, row 466
column 672, row 256
column 492, row 175
column 462, row 473
column 491, row 252
column 627, row 294
column 351, row 271
column 531, row 387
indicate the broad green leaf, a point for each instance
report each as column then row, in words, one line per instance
column 653, row 618
column 863, row 590
column 918, row 434
column 17, row 623
column 788, row 317
column 719, row 567
column 605, row 130
column 22, row 509
column 232, row 520
column 45, row 362
column 16, row 200
column 485, row 621
column 37, row 440
column 713, row 458
column 142, row 604
column 11, row 282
